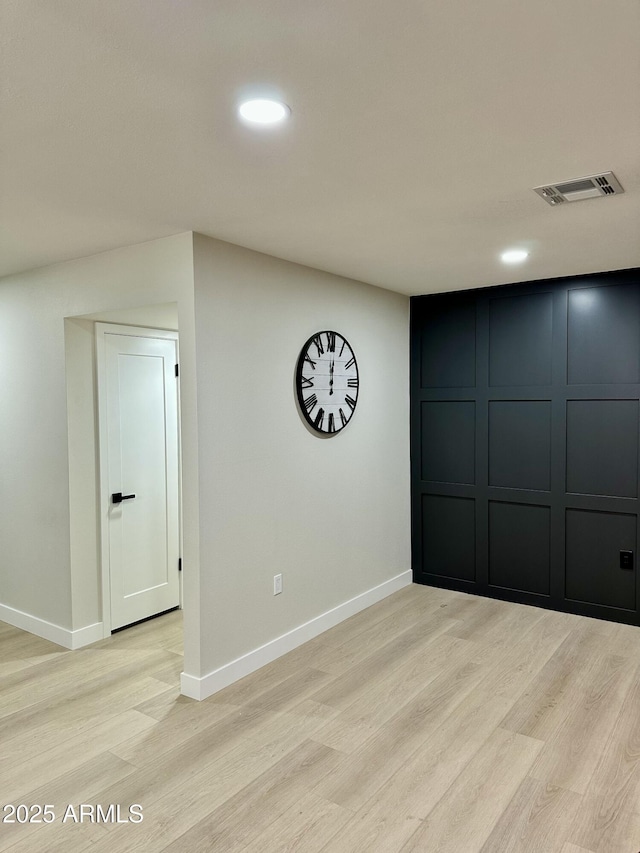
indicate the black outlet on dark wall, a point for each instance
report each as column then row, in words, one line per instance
column 626, row 559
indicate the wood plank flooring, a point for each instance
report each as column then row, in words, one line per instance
column 434, row 721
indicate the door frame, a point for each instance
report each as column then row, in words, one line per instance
column 104, row 498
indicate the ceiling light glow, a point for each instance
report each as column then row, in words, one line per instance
column 514, row 256
column 263, row 111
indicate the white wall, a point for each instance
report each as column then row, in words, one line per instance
column 47, row 530
column 331, row 514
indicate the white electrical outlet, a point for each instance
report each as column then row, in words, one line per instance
column 277, row 584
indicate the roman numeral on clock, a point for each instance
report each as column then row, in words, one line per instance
column 350, row 402
column 352, row 383
column 310, row 361
column 319, row 418
column 318, row 342
column 310, row 403
column 343, row 418
column 332, row 424
column 350, row 363
column 331, row 341
column 307, row 382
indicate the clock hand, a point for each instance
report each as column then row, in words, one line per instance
column 331, row 378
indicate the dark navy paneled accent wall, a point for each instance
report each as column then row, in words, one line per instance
column 525, row 428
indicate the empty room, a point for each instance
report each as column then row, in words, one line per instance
column 320, row 434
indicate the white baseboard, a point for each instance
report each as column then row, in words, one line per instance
column 48, row 631
column 201, row 688
column 87, row 635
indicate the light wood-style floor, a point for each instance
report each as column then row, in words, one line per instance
column 433, row 721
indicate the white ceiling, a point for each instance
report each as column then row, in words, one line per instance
column 418, row 129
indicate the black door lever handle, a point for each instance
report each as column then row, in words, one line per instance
column 118, row 497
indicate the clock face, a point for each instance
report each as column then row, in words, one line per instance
column 327, row 382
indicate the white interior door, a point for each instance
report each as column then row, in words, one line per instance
column 140, row 463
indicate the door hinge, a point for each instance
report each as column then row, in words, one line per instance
column 179, row 564
column 177, row 370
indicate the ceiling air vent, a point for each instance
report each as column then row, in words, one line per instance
column 593, row 186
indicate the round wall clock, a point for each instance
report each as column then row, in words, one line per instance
column 327, row 382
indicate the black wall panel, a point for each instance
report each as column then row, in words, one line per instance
column 604, row 335
column 448, row 442
column 602, row 447
column 594, row 542
column 520, row 340
column 519, row 547
column 520, row 444
column 525, row 424
column 448, row 347
column 448, row 530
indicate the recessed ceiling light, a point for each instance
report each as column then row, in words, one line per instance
column 514, row 256
column 263, row 111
